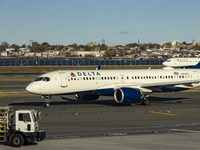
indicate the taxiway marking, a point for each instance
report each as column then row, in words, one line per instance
column 160, row 113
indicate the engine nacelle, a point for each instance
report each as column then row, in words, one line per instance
column 127, row 95
column 86, row 97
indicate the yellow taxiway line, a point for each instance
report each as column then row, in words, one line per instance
column 4, row 92
column 160, row 113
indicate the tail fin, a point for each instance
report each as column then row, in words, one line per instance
column 98, row 68
column 197, row 66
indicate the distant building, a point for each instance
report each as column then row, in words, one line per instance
column 4, row 54
column 10, row 49
column 91, row 44
column 174, row 43
column 194, row 43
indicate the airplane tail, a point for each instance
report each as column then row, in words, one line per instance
column 195, row 67
column 98, row 68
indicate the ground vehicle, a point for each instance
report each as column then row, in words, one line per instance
column 20, row 126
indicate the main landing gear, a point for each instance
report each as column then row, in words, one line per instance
column 145, row 101
column 47, row 100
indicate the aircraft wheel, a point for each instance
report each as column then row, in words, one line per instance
column 46, row 105
column 147, row 102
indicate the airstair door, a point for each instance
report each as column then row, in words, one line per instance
column 64, row 81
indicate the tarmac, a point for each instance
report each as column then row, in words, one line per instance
column 172, row 121
column 184, row 141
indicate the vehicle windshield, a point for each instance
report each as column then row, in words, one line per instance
column 46, row 79
column 36, row 115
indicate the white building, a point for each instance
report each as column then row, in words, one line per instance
column 174, row 43
column 4, row 54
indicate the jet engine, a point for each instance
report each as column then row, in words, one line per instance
column 86, row 96
column 127, row 95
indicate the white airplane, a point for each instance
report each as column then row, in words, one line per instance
column 181, row 62
column 127, row 86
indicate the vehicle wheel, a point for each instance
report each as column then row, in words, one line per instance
column 147, row 102
column 17, row 140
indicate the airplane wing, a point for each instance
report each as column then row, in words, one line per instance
column 152, row 85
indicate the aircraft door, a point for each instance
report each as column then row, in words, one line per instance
column 196, row 74
column 64, row 81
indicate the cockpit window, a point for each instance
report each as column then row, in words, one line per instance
column 39, row 79
column 46, row 79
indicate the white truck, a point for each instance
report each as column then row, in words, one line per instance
column 20, row 127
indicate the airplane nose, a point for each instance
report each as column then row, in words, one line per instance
column 31, row 88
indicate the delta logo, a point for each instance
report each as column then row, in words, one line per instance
column 72, row 74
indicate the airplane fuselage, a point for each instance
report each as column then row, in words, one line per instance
column 105, row 82
column 181, row 62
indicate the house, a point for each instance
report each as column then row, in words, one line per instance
column 4, row 54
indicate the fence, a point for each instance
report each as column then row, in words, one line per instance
column 76, row 62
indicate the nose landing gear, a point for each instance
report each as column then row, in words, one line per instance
column 47, row 100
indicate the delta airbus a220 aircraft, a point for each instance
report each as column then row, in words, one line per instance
column 181, row 62
column 127, row 86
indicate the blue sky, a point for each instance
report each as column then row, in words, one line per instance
column 81, row 21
